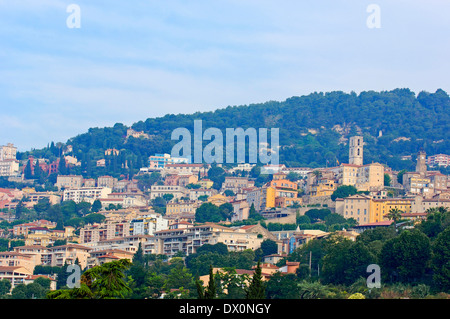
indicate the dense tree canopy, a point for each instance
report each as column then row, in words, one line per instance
column 311, row 130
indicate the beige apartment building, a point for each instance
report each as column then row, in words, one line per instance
column 59, row 255
column 160, row 190
column 8, row 152
column 181, row 207
column 69, row 181
column 15, row 259
column 195, row 193
column 16, row 275
column 99, row 257
column 188, row 239
column 35, row 197
column 106, row 181
column 104, row 231
column 421, row 205
column 236, row 184
column 36, row 252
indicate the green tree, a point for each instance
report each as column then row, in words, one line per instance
column 38, row 174
column 256, row 289
column 210, row 292
column 406, row 256
column 106, row 281
column 229, row 192
column 394, row 214
column 344, row 191
column 318, row 214
column 62, row 166
column 437, row 220
column 269, row 247
column 440, row 260
column 96, row 206
column 5, row 287
column 345, row 262
column 312, row 290
column 387, row 180
column 282, row 286
column 179, row 277
column 28, row 173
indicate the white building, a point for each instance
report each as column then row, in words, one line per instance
column 8, row 152
column 148, row 224
column 85, row 194
column 9, row 167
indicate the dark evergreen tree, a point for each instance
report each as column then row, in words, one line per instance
column 256, row 290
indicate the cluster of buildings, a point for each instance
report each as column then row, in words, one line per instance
column 185, row 187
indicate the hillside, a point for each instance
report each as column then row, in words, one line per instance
column 313, row 128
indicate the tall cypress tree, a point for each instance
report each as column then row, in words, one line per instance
column 210, row 292
column 28, row 172
column 62, row 168
column 256, row 290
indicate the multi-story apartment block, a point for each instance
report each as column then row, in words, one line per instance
column 181, row 207
column 421, row 204
column 160, row 190
column 9, row 167
column 188, row 169
column 188, row 239
column 69, row 181
column 15, row 259
column 36, row 252
column 16, row 275
column 438, row 160
column 106, row 181
column 60, row 255
column 126, row 243
column 85, row 194
column 99, row 257
column 254, row 196
column 148, row 224
column 8, row 152
column 195, row 193
column 205, row 183
column 365, row 209
column 236, row 184
column 108, row 230
column 35, row 197
column 23, row 229
column 280, row 193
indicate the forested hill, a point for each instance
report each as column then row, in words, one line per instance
column 313, row 128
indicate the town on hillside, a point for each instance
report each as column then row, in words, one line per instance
column 50, row 216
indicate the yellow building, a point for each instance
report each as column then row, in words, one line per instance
column 380, row 207
column 365, row 209
column 270, row 194
column 324, row 187
column 205, row 183
column 218, row 199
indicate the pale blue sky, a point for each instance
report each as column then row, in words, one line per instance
column 129, row 62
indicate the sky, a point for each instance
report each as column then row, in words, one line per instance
column 127, row 61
